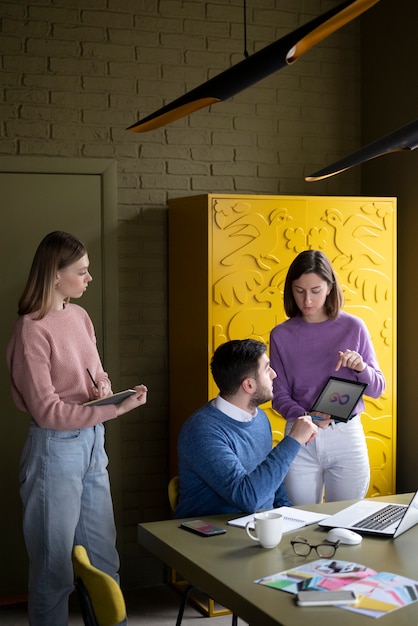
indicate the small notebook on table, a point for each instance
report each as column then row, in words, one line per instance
column 292, row 518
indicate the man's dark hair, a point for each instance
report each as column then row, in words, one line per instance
column 234, row 361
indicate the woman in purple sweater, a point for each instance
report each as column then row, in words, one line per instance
column 64, row 484
column 317, row 341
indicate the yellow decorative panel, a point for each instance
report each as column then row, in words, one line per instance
column 248, row 246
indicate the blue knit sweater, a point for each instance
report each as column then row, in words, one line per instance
column 227, row 466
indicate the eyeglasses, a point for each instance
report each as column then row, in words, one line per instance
column 302, row 547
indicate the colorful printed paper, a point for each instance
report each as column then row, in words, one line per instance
column 378, row 593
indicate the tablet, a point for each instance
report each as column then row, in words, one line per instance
column 339, row 398
column 116, row 398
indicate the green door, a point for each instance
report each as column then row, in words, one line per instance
column 38, row 196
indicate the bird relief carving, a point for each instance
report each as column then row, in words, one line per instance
column 256, row 242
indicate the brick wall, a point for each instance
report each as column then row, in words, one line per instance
column 75, row 74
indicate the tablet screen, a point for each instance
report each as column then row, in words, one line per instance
column 339, row 397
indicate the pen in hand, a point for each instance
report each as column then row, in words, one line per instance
column 315, row 417
column 92, row 379
column 306, row 413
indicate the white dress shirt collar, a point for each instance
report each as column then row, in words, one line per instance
column 233, row 411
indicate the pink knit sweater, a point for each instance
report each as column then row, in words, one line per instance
column 48, row 361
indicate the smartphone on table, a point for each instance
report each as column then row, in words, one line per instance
column 202, row 528
column 325, row 598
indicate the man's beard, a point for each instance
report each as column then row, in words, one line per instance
column 261, row 395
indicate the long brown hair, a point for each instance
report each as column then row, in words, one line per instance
column 313, row 262
column 56, row 251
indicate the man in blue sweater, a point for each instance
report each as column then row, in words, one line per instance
column 226, row 460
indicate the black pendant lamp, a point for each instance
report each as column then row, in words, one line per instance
column 277, row 55
column 402, row 140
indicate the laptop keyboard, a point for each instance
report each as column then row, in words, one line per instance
column 382, row 519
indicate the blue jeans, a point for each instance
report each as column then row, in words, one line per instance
column 65, row 489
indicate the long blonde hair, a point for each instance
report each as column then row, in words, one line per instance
column 56, row 251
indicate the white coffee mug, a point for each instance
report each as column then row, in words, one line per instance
column 268, row 528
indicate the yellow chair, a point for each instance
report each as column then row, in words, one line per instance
column 206, row 608
column 173, row 492
column 101, row 599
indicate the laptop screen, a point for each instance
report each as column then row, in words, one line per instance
column 339, row 397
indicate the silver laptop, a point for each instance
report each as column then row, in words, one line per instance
column 376, row 518
column 339, row 398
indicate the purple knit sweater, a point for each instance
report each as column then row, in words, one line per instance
column 305, row 354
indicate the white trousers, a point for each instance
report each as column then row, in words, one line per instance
column 334, row 466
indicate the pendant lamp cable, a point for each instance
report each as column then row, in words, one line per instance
column 245, row 29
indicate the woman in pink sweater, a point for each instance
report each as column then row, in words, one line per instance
column 64, row 484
